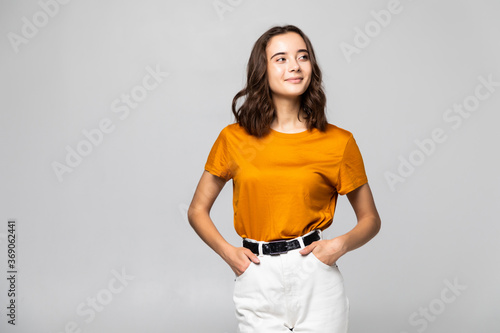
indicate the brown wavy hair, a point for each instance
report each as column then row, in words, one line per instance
column 258, row 111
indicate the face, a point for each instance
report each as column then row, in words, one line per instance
column 288, row 66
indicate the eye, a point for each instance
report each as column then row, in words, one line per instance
column 279, row 59
column 305, row 57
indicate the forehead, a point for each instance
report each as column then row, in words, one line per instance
column 288, row 42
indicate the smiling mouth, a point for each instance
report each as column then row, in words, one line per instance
column 294, row 80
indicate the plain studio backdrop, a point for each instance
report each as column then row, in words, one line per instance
column 109, row 110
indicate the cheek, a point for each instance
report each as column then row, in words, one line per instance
column 309, row 74
column 275, row 72
column 307, row 85
column 308, row 69
column 309, row 81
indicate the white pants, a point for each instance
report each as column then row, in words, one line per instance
column 291, row 293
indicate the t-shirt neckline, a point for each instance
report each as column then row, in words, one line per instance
column 291, row 135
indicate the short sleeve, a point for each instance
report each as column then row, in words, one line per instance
column 218, row 161
column 352, row 170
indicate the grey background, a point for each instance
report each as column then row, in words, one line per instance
column 124, row 206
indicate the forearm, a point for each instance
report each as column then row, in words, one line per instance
column 205, row 228
column 365, row 229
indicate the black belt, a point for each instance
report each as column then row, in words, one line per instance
column 281, row 246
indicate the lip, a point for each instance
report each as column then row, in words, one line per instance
column 294, row 79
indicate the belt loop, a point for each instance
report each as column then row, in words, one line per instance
column 320, row 234
column 301, row 242
column 260, row 249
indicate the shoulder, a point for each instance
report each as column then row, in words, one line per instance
column 234, row 130
column 337, row 132
column 231, row 133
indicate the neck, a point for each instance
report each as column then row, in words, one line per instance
column 286, row 115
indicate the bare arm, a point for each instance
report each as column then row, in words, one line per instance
column 329, row 251
column 207, row 191
column 369, row 222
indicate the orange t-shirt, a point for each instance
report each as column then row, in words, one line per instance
column 286, row 184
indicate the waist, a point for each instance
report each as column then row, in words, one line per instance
column 281, row 246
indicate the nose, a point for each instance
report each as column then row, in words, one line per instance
column 293, row 66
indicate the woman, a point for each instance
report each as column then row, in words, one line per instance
column 288, row 165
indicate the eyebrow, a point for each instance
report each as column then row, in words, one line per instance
column 280, row 53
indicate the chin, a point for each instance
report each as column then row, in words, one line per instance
column 296, row 93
